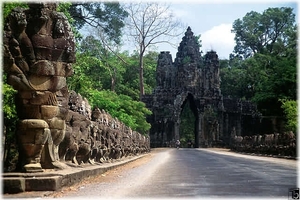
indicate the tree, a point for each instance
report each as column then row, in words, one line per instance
column 150, row 24
column 86, row 74
column 259, row 33
column 266, row 56
column 108, row 16
column 112, row 64
column 131, row 113
column 187, row 125
column 290, row 111
column 233, row 82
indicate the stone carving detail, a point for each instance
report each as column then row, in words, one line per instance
column 196, row 79
column 283, row 144
column 38, row 52
column 97, row 137
column 56, row 128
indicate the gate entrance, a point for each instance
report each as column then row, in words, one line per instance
column 188, row 123
column 192, row 80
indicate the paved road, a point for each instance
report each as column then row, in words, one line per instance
column 199, row 173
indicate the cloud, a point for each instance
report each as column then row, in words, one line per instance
column 179, row 13
column 219, row 39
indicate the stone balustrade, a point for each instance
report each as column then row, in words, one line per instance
column 281, row 144
column 95, row 136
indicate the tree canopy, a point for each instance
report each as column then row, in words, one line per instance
column 263, row 66
column 264, row 33
column 109, row 16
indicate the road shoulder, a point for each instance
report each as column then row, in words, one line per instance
column 282, row 161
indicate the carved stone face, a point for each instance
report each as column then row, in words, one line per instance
column 59, row 27
column 18, row 20
column 81, row 108
column 73, row 101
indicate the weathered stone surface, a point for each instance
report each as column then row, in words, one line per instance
column 42, row 98
column 194, row 79
column 56, row 127
column 49, row 112
column 283, row 144
column 43, row 68
column 43, row 183
column 33, row 123
column 56, row 123
column 96, row 137
column 13, row 185
column 39, row 48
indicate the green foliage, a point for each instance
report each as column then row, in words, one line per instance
column 277, row 80
column 85, row 75
column 131, row 113
column 97, row 69
column 112, row 66
column 7, row 7
column 290, row 111
column 130, row 77
column 150, row 62
column 263, row 68
column 9, row 107
column 199, row 41
column 187, row 125
column 259, row 33
column 9, row 121
column 108, row 16
column 234, row 79
column 186, row 60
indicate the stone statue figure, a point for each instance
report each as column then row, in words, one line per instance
column 38, row 51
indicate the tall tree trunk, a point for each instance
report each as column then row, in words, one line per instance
column 141, row 72
column 113, row 80
column 112, row 88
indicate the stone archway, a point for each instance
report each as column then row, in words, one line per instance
column 194, row 78
column 190, row 104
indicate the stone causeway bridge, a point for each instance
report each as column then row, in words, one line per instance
column 62, row 140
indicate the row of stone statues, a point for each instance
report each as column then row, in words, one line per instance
column 55, row 126
column 96, row 136
column 283, row 144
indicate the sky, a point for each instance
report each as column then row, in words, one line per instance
column 213, row 21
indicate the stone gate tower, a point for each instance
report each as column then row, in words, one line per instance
column 194, row 79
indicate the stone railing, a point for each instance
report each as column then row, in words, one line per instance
column 96, row 136
column 277, row 144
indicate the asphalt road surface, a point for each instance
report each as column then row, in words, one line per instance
column 197, row 173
